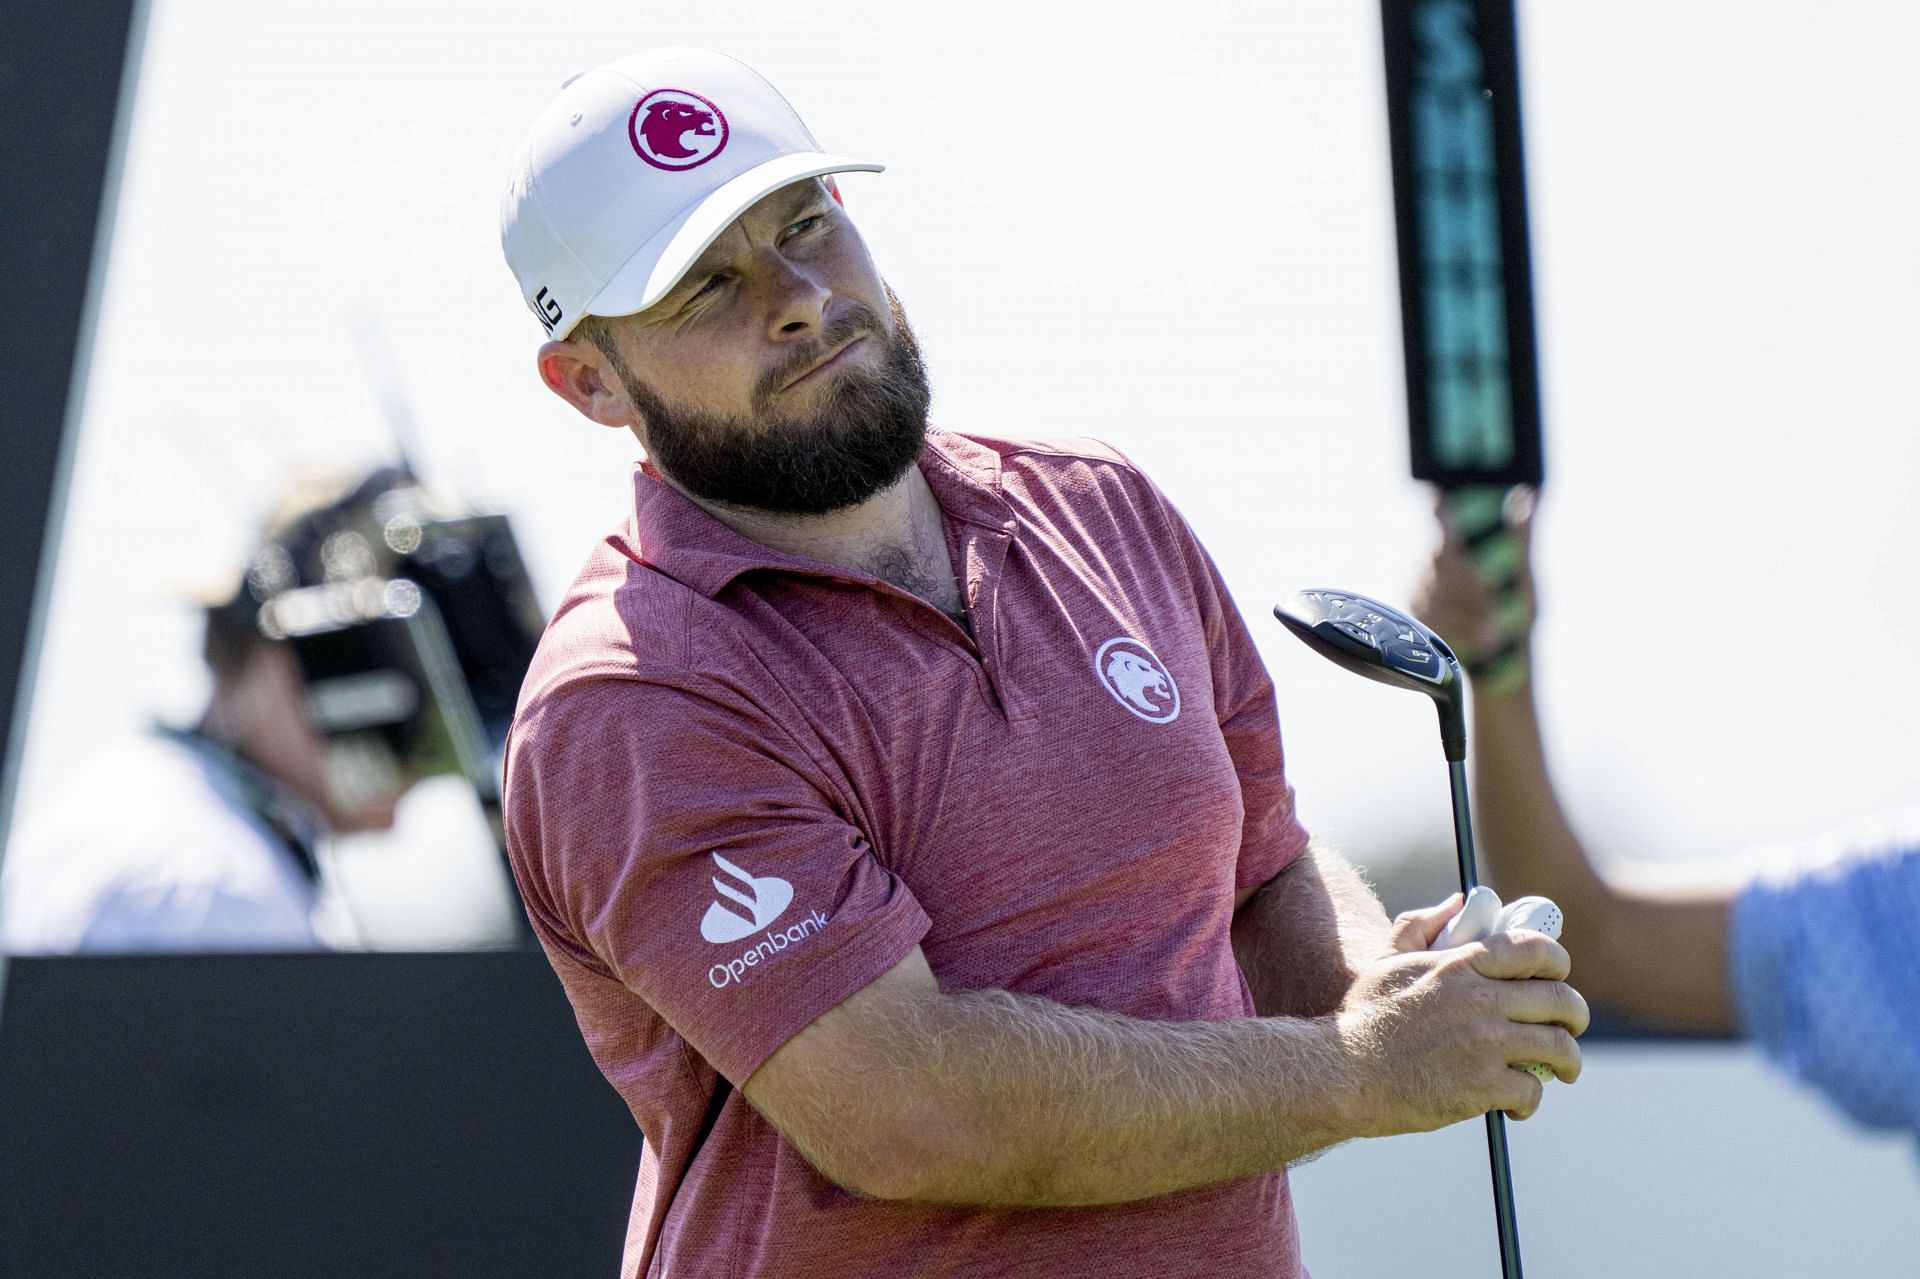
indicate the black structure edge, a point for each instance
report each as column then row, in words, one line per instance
column 35, row 526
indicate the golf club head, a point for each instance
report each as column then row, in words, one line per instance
column 1383, row 644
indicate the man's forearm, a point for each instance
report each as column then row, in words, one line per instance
column 905, row 1091
column 1526, row 843
column 1020, row 1101
column 1654, row 951
column 1304, row 935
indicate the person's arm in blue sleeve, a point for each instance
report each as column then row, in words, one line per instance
column 1825, row 962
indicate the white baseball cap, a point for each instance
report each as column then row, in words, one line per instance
column 634, row 168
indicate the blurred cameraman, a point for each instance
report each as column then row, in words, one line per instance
column 206, row 838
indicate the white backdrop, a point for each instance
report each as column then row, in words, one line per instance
column 1165, row 225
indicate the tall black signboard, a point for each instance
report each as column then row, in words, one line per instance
column 1460, row 210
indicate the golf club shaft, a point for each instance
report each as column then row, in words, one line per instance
column 1496, row 1122
column 1462, row 825
column 1503, row 1195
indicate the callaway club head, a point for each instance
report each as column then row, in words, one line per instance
column 1384, row 644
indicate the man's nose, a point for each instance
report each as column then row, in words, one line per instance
column 797, row 301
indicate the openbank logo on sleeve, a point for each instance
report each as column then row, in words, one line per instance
column 760, row 899
column 759, row 902
column 1138, row 679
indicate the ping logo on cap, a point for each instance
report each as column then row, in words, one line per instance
column 546, row 308
column 673, row 129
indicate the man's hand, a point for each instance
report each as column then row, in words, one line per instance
column 1437, row 1037
column 1416, row 930
column 1477, row 616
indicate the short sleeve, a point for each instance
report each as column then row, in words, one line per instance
column 681, row 835
column 1272, row 838
column 1825, row 963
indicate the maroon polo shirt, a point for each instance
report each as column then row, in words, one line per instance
column 743, row 784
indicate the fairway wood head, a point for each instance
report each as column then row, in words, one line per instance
column 1383, row 644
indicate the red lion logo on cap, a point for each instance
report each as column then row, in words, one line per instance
column 667, row 121
column 675, row 129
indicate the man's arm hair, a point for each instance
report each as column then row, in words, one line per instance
column 989, row 1097
column 1303, row 936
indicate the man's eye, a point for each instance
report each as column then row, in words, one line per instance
column 713, row 283
column 806, row 224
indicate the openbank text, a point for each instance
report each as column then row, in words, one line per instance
column 731, row 972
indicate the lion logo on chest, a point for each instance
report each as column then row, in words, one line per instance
column 1137, row 679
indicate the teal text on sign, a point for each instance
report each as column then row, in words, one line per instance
column 1469, row 388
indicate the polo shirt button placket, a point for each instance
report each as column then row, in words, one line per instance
column 989, row 673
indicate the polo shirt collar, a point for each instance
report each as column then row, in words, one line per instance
column 670, row 533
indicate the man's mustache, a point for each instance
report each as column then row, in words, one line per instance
column 858, row 321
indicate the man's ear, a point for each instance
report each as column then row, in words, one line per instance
column 579, row 373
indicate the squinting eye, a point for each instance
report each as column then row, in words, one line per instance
column 805, row 225
column 713, row 282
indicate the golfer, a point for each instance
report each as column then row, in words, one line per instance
column 903, row 809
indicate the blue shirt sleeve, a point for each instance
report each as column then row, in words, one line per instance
column 1825, row 962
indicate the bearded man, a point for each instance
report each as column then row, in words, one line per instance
column 917, row 939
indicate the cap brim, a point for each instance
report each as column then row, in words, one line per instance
column 657, row 266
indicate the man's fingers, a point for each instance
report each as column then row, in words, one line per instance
column 1455, row 598
column 1521, row 1095
column 1549, row 1046
column 1456, row 571
column 1414, row 930
column 1446, row 509
column 1517, row 956
column 1517, row 510
column 1545, row 1003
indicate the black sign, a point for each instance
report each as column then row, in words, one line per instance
column 304, row 1117
column 1460, row 209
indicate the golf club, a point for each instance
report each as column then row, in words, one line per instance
column 1384, row 644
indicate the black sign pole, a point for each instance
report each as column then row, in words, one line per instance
column 67, row 75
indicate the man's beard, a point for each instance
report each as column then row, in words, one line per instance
column 866, row 431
